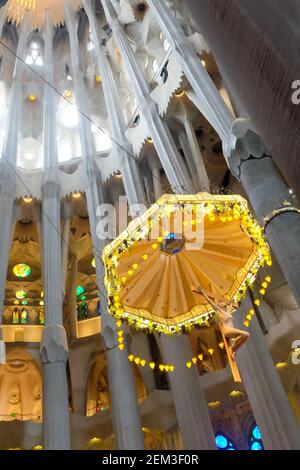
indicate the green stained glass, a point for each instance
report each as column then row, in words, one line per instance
column 80, row 290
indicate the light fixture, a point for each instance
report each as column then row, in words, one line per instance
column 76, row 195
column 21, row 270
column 32, row 98
column 68, row 94
column 94, row 262
column 98, row 78
column 42, row 303
column 180, row 93
column 203, row 63
column 27, row 199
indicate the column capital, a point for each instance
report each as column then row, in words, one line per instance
column 54, row 346
column 243, row 144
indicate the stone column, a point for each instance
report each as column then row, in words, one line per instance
column 210, row 100
column 191, row 407
column 197, row 157
column 169, row 156
column 155, row 166
column 265, row 391
column 129, row 167
column 125, row 409
column 183, row 140
column 274, row 206
column 66, row 215
column 54, row 353
column 8, row 161
column 71, row 299
column 54, row 347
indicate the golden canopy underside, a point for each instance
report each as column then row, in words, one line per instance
column 16, row 9
column 155, row 287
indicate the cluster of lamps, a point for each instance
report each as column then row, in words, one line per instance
column 153, row 365
column 200, row 357
column 262, row 291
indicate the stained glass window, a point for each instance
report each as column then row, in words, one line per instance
column 21, row 270
column 24, row 317
column 41, row 319
column 255, row 441
column 223, row 443
column 15, row 317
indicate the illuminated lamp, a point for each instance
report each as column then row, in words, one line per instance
column 32, row 98
column 98, row 78
column 27, row 200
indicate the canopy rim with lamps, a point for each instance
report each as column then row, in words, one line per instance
column 234, row 237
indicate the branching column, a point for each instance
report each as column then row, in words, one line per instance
column 8, row 162
column 125, row 409
column 266, row 394
column 275, row 207
column 170, row 158
column 129, row 167
column 54, row 347
column 212, row 104
column 190, row 404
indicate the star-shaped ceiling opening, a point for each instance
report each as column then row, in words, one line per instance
column 16, row 9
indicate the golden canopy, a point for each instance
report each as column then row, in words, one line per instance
column 16, row 9
column 181, row 242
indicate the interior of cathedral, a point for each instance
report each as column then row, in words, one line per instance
column 122, row 118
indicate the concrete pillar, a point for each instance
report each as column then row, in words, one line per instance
column 265, row 391
column 210, row 100
column 191, row 407
column 54, row 347
column 124, row 406
column 8, row 160
column 54, row 353
column 197, row 157
column 155, row 166
column 183, row 140
column 169, row 156
column 128, row 165
column 274, row 206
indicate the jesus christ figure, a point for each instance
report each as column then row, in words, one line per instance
column 236, row 337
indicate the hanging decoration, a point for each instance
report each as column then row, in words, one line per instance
column 180, row 242
column 262, row 290
column 21, row 270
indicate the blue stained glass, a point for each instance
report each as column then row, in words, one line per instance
column 256, row 433
column 256, row 446
column 171, row 236
column 221, row 441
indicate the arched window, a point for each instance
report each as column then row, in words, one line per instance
column 34, row 56
column 255, row 442
column 223, row 443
